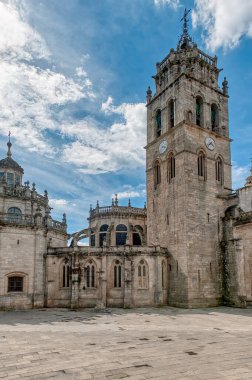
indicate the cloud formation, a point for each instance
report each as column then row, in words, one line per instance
column 239, row 175
column 172, row 3
column 118, row 147
column 30, row 90
column 223, row 22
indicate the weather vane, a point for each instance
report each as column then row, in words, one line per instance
column 184, row 19
column 185, row 39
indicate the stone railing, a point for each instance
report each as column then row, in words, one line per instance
column 244, row 217
column 117, row 210
column 30, row 220
column 207, row 58
column 23, row 192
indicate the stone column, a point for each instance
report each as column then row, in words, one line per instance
column 75, row 282
column 127, row 283
column 158, row 296
column 102, row 283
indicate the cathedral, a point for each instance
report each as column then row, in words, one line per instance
column 190, row 246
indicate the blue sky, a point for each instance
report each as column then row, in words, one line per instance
column 74, row 76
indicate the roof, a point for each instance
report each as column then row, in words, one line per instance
column 9, row 163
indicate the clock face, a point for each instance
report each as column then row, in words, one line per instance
column 163, row 146
column 210, row 143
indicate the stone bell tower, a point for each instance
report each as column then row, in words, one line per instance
column 188, row 170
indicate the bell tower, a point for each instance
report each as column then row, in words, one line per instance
column 188, row 170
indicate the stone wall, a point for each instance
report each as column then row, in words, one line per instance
column 104, row 292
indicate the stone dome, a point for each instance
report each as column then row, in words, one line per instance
column 9, row 163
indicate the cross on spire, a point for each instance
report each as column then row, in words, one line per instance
column 185, row 39
column 9, row 144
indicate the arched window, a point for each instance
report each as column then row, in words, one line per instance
column 171, row 113
column 136, row 239
column 14, row 215
column 117, row 274
column 121, row 234
column 10, row 179
column 202, row 165
column 171, row 167
column 158, row 123
column 90, row 275
column 219, row 170
column 214, row 117
column 199, row 111
column 15, row 283
column 157, row 174
column 142, row 272
column 66, row 276
column 103, row 234
column 92, row 238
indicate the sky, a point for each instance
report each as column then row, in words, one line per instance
column 74, row 76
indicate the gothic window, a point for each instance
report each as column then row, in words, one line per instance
column 14, row 215
column 121, row 234
column 90, row 274
column 171, row 167
column 219, row 170
column 202, row 165
column 214, row 117
column 15, row 284
column 158, row 123
column 157, row 174
column 142, row 272
column 171, row 113
column 66, row 276
column 103, row 234
column 136, row 239
column 199, row 111
column 117, row 275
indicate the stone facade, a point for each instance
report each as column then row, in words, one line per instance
column 26, row 232
column 189, row 247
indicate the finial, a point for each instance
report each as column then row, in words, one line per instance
column 46, row 194
column 116, row 200
column 185, row 39
column 129, row 203
column 144, row 204
column 64, row 218
column 9, row 144
column 225, row 86
column 90, row 208
column 97, row 204
column 149, row 95
column 33, row 186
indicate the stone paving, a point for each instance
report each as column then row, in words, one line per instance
column 153, row 343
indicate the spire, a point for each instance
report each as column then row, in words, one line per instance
column 185, row 40
column 9, row 144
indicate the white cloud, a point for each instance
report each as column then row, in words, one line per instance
column 172, row 3
column 130, row 191
column 239, row 175
column 17, row 39
column 224, row 22
column 58, row 202
column 28, row 92
column 118, row 147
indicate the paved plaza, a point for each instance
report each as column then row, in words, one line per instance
column 153, row 343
